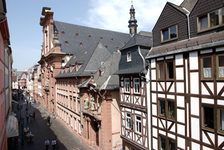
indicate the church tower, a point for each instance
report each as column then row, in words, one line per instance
column 132, row 22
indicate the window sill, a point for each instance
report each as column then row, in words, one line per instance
column 207, row 79
column 169, row 40
column 208, row 129
column 138, row 133
column 221, row 132
column 137, row 93
column 210, row 28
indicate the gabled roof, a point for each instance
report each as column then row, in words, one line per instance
column 178, row 8
column 107, row 80
column 196, row 43
column 74, row 38
column 188, row 4
column 139, row 40
column 90, row 60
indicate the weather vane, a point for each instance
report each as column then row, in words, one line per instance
column 132, row 2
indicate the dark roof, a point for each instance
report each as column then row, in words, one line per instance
column 188, row 4
column 140, row 40
column 74, row 38
column 107, row 80
column 196, row 43
column 178, row 8
column 90, row 61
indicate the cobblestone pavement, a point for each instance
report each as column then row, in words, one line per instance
column 41, row 130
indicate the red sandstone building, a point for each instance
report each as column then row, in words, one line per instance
column 5, row 75
column 78, row 85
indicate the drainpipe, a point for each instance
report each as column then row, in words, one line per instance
column 139, row 51
column 188, row 26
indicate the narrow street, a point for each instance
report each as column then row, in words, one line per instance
column 42, row 131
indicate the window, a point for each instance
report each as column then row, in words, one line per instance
column 171, row 110
column 128, row 120
column 221, row 66
column 222, row 15
column 126, row 85
column 167, row 109
column 128, row 56
column 203, row 21
column 138, row 124
column 162, row 143
column 207, row 67
column 208, row 117
column 221, row 111
column 211, row 20
column 162, row 108
column 136, row 85
column 161, row 73
column 170, row 69
column 214, row 18
column 165, row 34
column 169, row 33
column 166, row 143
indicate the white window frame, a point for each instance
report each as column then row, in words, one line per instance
column 128, row 56
column 126, row 84
column 128, row 120
column 137, row 85
column 138, row 124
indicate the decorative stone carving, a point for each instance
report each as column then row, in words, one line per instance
column 92, row 104
column 86, row 103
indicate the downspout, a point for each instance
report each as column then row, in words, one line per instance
column 139, row 51
column 188, row 26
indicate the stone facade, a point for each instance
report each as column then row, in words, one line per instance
column 5, row 75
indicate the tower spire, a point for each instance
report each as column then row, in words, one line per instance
column 132, row 22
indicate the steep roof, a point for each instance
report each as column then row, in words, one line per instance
column 181, row 9
column 188, row 4
column 196, row 43
column 107, row 80
column 139, row 40
column 90, row 61
column 74, row 38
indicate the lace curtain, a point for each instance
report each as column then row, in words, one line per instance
column 221, row 72
column 207, row 72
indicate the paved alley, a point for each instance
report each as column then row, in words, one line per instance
column 41, row 131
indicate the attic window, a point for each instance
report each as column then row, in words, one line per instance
column 89, row 36
column 128, row 56
column 62, row 32
column 77, row 34
column 101, row 37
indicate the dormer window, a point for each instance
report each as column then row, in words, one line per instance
column 211, row 20
column 169, row 33
column 128, row 56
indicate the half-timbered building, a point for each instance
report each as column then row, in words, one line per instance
column 133, row 101
column 186, row 77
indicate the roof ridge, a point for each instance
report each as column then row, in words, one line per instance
column 95, row 28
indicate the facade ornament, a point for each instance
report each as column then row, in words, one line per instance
column 86, row 103
column 92, row 104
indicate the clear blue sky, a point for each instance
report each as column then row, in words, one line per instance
column 26, row 33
